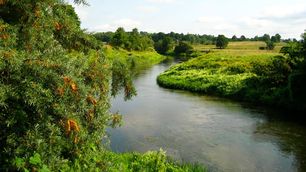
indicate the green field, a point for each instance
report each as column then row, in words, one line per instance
column 138, row 60
column 245, row 46
column 241, row 71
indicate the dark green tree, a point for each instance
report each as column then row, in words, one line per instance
column 234, row 38
column 105, row 37
column 270, row 45
column 183, row 48
column 265, row 38
column 242, row 38
column 120, row 38
column 296, row 53
column 221, row 42
column 164, row 45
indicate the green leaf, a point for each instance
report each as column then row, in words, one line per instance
column 44, row 169
column 35, row 160
column 19, row 162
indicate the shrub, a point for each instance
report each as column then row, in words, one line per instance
column 183, row 47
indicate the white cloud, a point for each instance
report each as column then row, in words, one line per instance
column 127, row 24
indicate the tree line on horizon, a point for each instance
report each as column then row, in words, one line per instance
column 163, row 43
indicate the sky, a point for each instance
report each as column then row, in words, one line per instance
column 228, row 17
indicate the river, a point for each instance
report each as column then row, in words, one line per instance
column 223, row 135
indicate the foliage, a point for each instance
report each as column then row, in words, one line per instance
column 54, row 89
column 296, row 55
column 221, row 42
column 150, row 161
column 270, row 45
column 183, row 47
column 254, row 76
column 276, row 38
column 120, row 38
column 126, row 40
column 105, row 37
column 164, row 45
column 191, row 38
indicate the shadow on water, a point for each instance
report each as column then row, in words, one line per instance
column 220, row 133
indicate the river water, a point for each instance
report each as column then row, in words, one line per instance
column 221, row 134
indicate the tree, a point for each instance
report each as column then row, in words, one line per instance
column 183, row 47
column 54, row 104
column 234, row 38
column 296, row 53
column 270, row 45
column 276, row 38
column 104, row 37
column 242, row 38
column 120, row 38
column 164, row 45
column 221, row 42
column 265, row 38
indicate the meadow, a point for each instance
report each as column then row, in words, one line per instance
column 241, row 71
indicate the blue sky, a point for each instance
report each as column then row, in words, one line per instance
column 228, row 17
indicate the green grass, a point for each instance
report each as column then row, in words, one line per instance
column 240, row 72
column 138, row 59
column 249, row 46
column 151, row 161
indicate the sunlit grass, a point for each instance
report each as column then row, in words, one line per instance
column 241, row 71
column 249, row 46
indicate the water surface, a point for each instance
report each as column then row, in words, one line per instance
column 222, row 134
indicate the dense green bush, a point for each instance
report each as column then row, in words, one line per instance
column 183, row 48
column 54, row 104
column 164, row 45
column 221, row 42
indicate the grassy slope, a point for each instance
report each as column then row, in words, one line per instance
column 139, row 59
column 241, row 71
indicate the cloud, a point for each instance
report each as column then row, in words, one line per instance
column 127, row 24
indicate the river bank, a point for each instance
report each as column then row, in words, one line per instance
column 221, row 134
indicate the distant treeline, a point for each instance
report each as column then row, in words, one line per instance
column 165, row 43
column 107, row 37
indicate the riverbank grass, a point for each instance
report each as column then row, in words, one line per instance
column 139, row 59
column 238, row 72
column 149, row 161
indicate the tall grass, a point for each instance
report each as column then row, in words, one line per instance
column 240, row 72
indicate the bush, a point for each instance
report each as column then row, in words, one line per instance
column 54, row 90
column 183, row 47
column 221, row 42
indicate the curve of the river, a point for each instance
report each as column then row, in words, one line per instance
column 222, row 134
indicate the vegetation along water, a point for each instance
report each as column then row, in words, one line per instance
column 63, row 89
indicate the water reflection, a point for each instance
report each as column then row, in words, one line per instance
column 222, row 134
